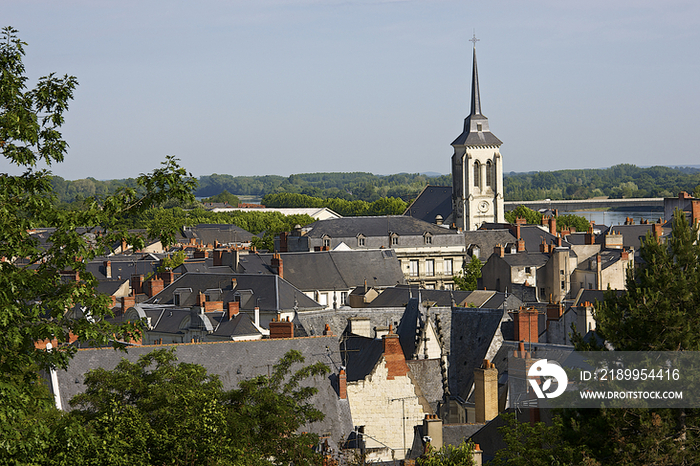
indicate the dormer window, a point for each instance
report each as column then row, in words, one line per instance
column 394, row 239
column 428, row 238
column 326, row 241
column 361, row 240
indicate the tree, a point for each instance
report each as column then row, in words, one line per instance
column 38, row 303
column 467, row 278
column 224, row 196
column 660, row 310
column 449, row 455
column 538, row 444
column 158, row 411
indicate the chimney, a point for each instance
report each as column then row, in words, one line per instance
column 257, row 316
column 108, row 268
column 553, row 225
column 521, row 245
column 393, row 355
column 327, row 331
column 554, row 311
column 234, row 307
column 168, row 277
column 137, row 284
column 127, row 302
column 658, row 231
column 486, row 392
column 342, row 385
column 499, row 250
column 153, row 286
column 478, row 455
column 559, row 240
column 201, row 299
column 520, row 221
column 201, row 253
column 432, row 427
column 544, row 247
column 218, row 255
column 589, row 237
column 624, row 255
column 545, row 221
column 124, row 246
column 276, row 265
column 526, row 325
column 281, row 328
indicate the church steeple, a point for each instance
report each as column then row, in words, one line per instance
column 476, row 126
column 476, row 98
column 477, row 167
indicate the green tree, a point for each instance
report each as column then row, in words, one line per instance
column 659, row 311
column 224, row 196
column 467, row 278
column 449, row 455
column 532, row 217
column 37, row 303
column 537, row 445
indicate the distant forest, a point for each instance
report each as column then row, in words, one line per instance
column 620, row 181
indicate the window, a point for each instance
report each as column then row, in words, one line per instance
column 447, row 266
column 430, row 286
column 430, row 268
column 478, row 127
column 343, row 298
column 449, row 286
column 528, row 270
column 394, row 240
column 563, row 284
column 489, row 174
column 361, row 240
column 327, row 241
column 477, row 174
column 413, row 268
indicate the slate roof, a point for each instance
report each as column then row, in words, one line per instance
column 210, row 233
column 486, row 240
column 232, row 361
column 632, row 235
column 275, row 293
column 608, row 257
column 592, row 296
column 328, row 270
column 123, row 267
column 528, row 259
column 400, row 296
column 374, row 226
column 432, row 201
column 360, row 355
column 471, row 334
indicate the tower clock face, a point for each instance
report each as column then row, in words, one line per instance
column 484, row 206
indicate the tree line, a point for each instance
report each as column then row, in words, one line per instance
column 619, row 181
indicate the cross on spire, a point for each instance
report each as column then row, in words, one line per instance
column 474, row 40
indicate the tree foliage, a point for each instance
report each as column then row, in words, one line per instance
column 467, row 278
column 344, row 207
column 449, row 455
column 661, row 309
column 224, row 196
column 37, row 302
column 159, row 411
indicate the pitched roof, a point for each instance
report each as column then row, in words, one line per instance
column 270, row 292
column 374, row 226
column 210, row 233
column 232, row 361
column 432, row 201
column 328, row 270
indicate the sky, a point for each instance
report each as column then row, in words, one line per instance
column 276, row 87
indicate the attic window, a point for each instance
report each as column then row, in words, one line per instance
column 478, row 127
column 428, row 238
column 394, row 240
column 361, row 240
column 327, row 241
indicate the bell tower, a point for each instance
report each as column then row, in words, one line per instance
column 477, row 168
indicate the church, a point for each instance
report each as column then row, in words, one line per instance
column 476, row 196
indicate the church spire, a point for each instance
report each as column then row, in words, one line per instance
column 476, row 98
column 476, row 126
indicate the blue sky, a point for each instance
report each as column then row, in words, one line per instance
column 294, row 86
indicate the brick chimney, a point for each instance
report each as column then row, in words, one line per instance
column 327, row 331
column 218, row 255
column 201, row 253
column 393, row 355
column 624, row 255
column 168, row 277
column 127, row 302
column 553, row 225
column 554, row 312
column 276, row 265
column 658, row 231
column 486, row 392
column 108, row 268
column 153, row 287
column 342, row 385
column 526, row 325
column 137, row 284
column 281, row 328
column 521, row 244
column 589, row 237
column 499, row 250
column 234, row 308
